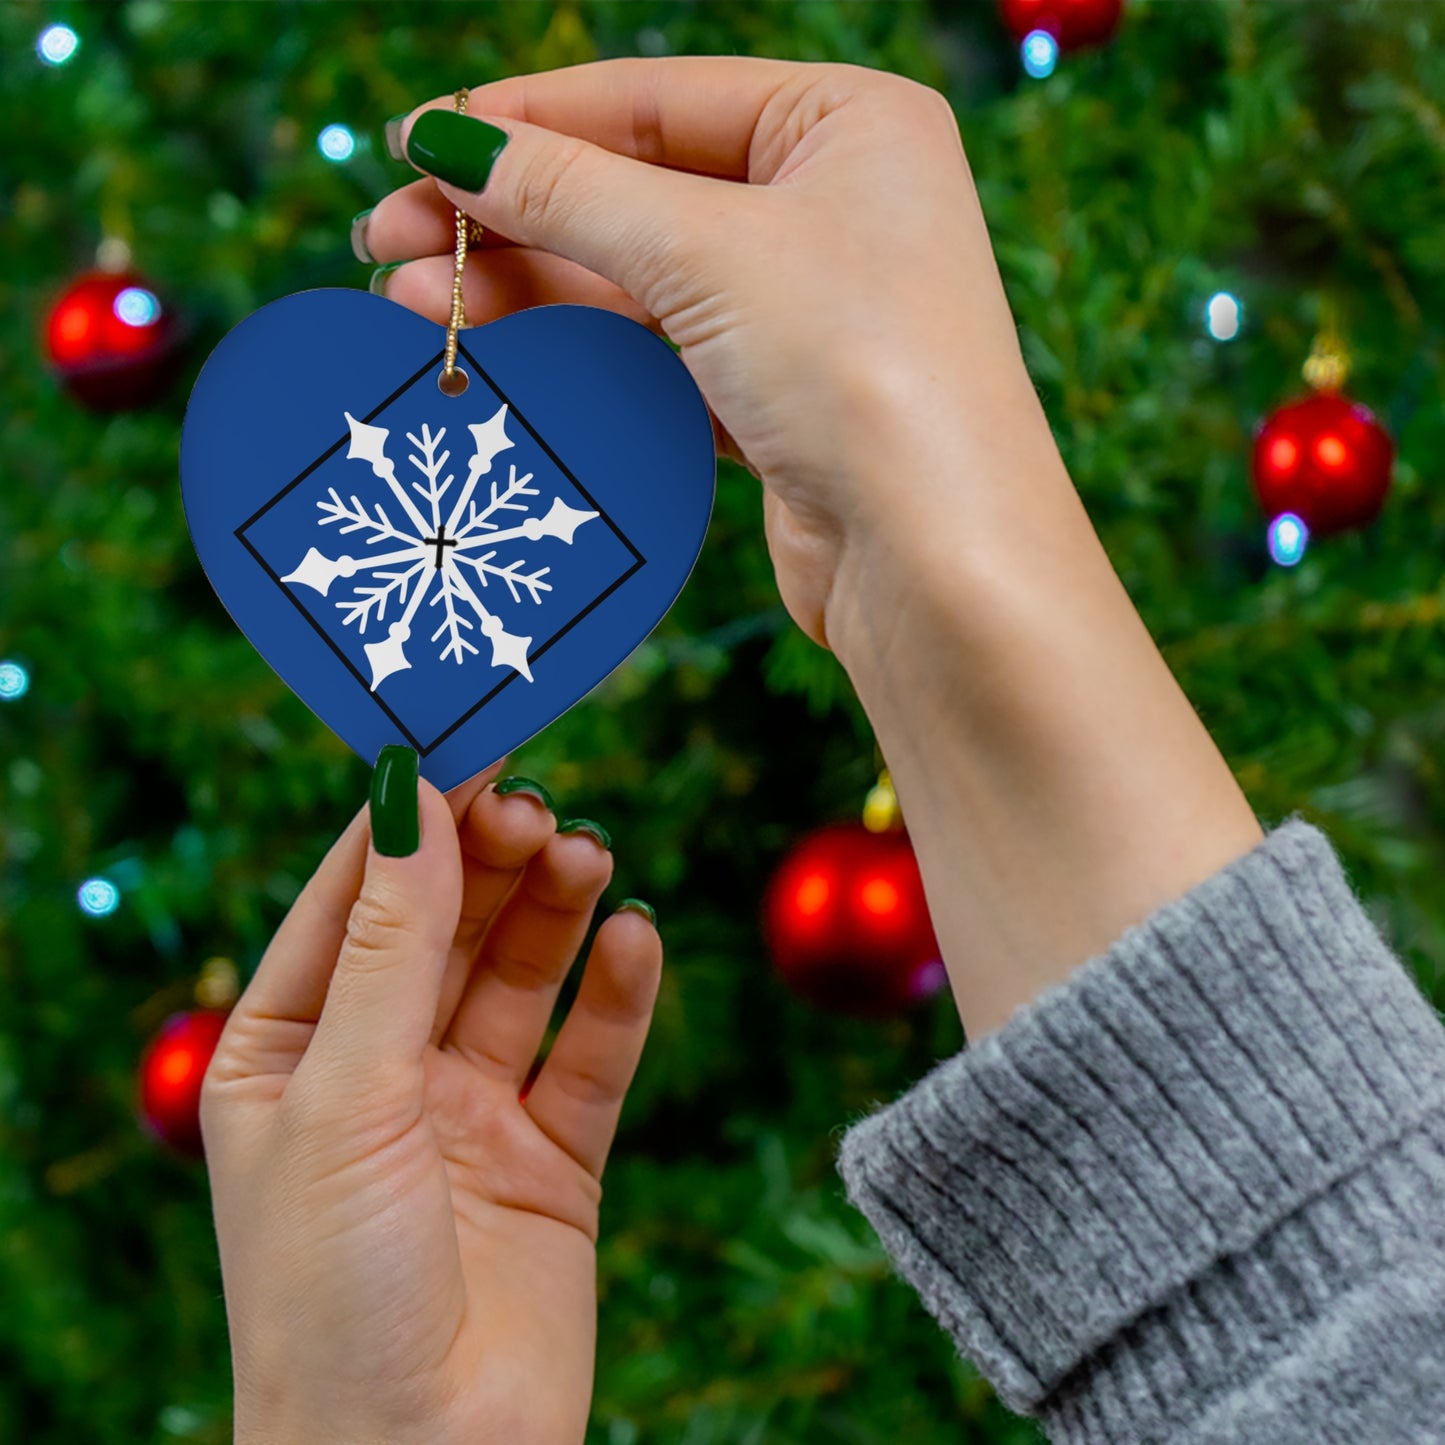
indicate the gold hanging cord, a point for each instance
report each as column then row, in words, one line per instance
column 467, row 229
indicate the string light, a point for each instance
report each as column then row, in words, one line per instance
column 1223, row 316
column 136, row 306
column 14, row 681
column 1040, row 54
column 1288, row 538
column 98, row 897
column 336, row 143
column 931, row 977
column 57, row 44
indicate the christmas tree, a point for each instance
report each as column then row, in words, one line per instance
column 1179, row 214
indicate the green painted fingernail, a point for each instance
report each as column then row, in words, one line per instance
column 455, row 148
column 393, row 136
column 359, row 248
column 379, row 277
column 526, row 785
column 586, row 825
column 395, row 820
column 636, row 905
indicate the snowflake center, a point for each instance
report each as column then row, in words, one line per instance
column 440, row 541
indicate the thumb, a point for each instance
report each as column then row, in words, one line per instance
column 382, row 1000
column 623, row 219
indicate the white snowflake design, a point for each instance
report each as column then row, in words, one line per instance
column 454, row 550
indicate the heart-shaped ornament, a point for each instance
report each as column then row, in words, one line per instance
column 449, row 572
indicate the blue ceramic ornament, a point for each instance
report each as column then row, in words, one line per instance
column 449, row 572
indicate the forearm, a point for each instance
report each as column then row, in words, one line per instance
column 1057, row 784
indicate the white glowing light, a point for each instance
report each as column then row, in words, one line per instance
column 1040, row 53
column 1288, row 538
column 98, row 897
column 1223, row 316
column 137, row 307
column 336, row 143
column 14, row 681
column 57, row 44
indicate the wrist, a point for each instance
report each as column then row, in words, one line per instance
column 1057, row 784
column 957, row 506
column 261, row 1429
column 296, row 1421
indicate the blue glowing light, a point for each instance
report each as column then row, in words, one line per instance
column 1040, row 52
column 137, row 307
column 1288, row 538
column 98, row 897
column 14, row 681
column 336, row 143
column 57, row 44
column 1223, row 316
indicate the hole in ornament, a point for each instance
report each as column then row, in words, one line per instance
column 455, row 384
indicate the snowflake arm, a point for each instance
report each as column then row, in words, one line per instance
column 359, row 519
column 453, row 623
column 490, row 437
column 368, row 444
column 359, row 607
column 508, row 650
column 510, row 575
column 431, row 469
column 319, row 571
column 561, row 522
column 501, row 502
column 390, row 656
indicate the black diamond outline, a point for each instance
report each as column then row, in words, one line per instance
column 638, row 562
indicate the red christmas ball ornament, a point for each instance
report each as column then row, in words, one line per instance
column 171, row 1071
column 1073, row 23
column 847, row 924
column 111, row 341
column 1326, row 459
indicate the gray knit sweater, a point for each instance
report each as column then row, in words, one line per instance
column 1196, row 1192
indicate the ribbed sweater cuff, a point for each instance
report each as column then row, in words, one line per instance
column 1133, row 1155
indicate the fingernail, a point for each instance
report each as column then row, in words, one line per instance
column 455, row 148
column 526, row 785
column 586, row 825
column 359, row 248
column 379, row 277
column 393, row 137
column 395, row 823
column 636, row 905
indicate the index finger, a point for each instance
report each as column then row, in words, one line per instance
column 696, row 113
